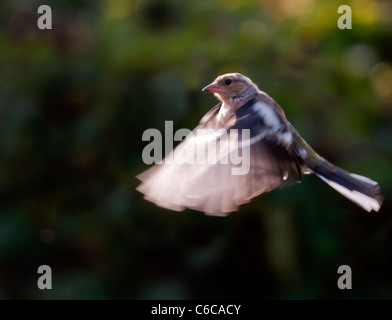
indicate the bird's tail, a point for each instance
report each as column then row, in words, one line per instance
column 361, row 190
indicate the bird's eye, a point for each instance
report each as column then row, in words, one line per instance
column 228, row 81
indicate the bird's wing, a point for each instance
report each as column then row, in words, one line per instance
column 234, row 167
column 209, row 119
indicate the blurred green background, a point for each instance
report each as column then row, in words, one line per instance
column 75, row 101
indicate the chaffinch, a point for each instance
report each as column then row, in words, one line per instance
column 278, row 156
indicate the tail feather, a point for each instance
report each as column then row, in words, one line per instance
column 361, row 190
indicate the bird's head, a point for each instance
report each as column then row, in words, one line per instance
column 232, row 86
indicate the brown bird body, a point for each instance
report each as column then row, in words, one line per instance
column 278, row 155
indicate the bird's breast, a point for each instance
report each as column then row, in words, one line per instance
column 224, row 112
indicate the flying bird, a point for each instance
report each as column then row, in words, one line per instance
column 277, row 156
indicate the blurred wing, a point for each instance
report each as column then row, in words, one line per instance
column 234, row 167
column 209, row 120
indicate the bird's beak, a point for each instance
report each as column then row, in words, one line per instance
column 215, row 88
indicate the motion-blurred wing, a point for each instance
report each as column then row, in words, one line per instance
column 211, row 181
